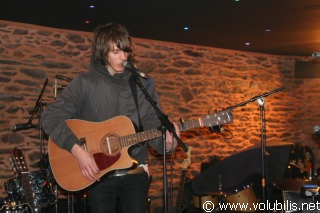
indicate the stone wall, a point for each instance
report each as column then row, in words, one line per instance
column 191, row 80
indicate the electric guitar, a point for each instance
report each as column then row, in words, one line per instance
column 108, row 142
column 185, row 166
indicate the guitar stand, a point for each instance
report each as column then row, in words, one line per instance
column 71, row 202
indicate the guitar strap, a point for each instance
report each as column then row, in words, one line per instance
column 135, row 97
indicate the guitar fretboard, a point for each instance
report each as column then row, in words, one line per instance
column 180, row 190
column 222, row 117
column 139, row 137
column 152, row 134
column 27, row 189
column 183, row 126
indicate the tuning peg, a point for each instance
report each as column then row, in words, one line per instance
column 12, row 165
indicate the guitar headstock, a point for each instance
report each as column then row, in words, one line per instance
column 18, row 162
column 187, row 160
column 218, row 118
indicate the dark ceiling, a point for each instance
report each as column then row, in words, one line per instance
column 285, row 27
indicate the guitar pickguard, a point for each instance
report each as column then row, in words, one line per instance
column 104, row 161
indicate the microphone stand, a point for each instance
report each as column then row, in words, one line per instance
column 38, row 109
column 260, row 101
column 165, row 125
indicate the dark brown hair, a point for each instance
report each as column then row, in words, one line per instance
column 106, row 35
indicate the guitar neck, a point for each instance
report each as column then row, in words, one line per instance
column 180, row 190
column 222, row 117
column 27, row 190
column 20, row 167
column 184, row 126
column 152, row 134
column 139, row 137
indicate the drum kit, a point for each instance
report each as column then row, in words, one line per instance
column 29, row 191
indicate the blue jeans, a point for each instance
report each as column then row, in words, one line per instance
column 130, row 189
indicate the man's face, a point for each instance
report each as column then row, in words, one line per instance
column 114, row 58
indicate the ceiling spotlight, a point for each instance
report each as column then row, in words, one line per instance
column 92, row 6
column 247, row 43
column 186, row 28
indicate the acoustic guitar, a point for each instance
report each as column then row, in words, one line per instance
column 108, row 142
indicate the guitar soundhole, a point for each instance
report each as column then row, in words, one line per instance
column 110, row 144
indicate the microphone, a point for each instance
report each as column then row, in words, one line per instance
column 18, row 127
column 133, row 69
column 316, row 131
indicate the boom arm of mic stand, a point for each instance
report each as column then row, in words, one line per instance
column 257, row 97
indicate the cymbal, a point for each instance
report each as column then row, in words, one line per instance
column 218, row 193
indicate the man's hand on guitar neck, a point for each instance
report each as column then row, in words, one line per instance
column 86, row 163
column 171, row 142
